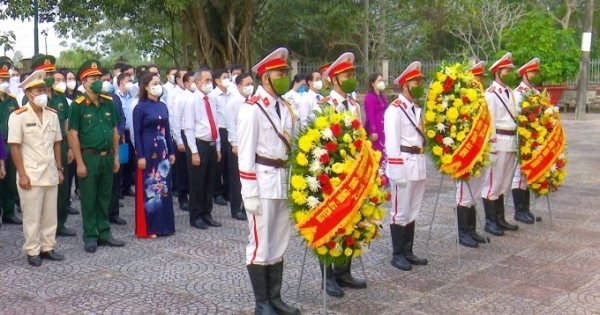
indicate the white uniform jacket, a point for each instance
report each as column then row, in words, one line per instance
column 503, row 108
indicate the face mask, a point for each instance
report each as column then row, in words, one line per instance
column 128, row 87
column 233, row 77
column 172, row 79
column 49, row 81
column 71, row 85
column 509, row 79
column 193, row 87
column 81, row 89
column 226, row 83
column 302, row 89
column 106, row 86
column 281, row 85
column 536, row 80
column 14, row 80
column 349, row 85
column 207, row 88
column 60, row 87
column 317, row 85
column 417, row 91
column 156, row 90
column 381, row 86
column 41, row 100
column 4, row 87
column 96, row 87
column 247, row 90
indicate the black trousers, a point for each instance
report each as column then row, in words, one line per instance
column 181, row 172
column 222, row 181
column 113, row 206
column 128, row 174
column 202, row 179
column 71, row 176
column 235, row 186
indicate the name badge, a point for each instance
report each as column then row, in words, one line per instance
column 31, row 125
column 87, row 115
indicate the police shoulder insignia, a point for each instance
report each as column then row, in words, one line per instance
column 20, row 110
column 491, row 89
column 324, row 100
column 106, row 97
column 80, row 99
column 396, row 102
column 253, row 100
column 51, row 109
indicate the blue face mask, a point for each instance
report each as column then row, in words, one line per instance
column 111, row 89
column 302, row 89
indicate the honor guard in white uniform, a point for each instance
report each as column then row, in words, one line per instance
column 465, row 202
column 404, row 144
column 530, row 78
column 34, row 137
column 501, row 102
column 341, row 74
column 264, row 133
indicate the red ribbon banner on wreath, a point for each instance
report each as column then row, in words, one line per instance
column 542, row 160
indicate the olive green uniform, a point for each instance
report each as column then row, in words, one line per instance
column 8, row 185
column 95, row 124
column 58, row 102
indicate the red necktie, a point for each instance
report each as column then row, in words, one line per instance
column 211, row 120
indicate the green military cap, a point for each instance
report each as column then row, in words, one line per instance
column 43, row 62
column 4, row 67
column 89, row 68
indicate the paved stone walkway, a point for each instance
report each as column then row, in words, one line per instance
column 546, row 269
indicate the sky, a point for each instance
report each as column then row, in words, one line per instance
column 24, row 40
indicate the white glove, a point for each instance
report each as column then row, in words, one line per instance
column 252, row 205
column 400, row 182
column 493, row 159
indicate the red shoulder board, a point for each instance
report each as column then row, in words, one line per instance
column 397, row 103
column 491, row 89
column 253, row 100
column 335, row 102
column 323, row 100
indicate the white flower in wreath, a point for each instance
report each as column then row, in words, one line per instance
column 440, row 127
column 551, row 110
column 315, row 167
column 317, row 152
column 327, row 134
column 553, row 168
column 447, row 141
column 561, row 156
column 313, row 183
column 312, row 202
column 348, row 121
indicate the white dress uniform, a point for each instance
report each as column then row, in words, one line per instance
column 293, row 98
column 518, row 181
column 308, row 104
column 37, row 140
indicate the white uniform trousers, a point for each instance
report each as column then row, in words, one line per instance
column 38, row 206
column 499, row 177
column 518, row 182
column 269, row 232
column 463, row 195
column 406, row 201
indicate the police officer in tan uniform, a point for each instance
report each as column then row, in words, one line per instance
column 34, row 137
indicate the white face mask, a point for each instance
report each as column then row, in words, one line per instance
column 156, row 90
column 105, row 86
column 317, row 85
column 381, row 86
column 247, row 90
column 71, row 85
column 81, row 89
column 128, row 87
column 233, row 77
column 207, row 88
column 172, row 79
column 4, row 87
column 41, row 100
column 226, row 83
column 14, row 80
column 60, row 87
column 193, row 87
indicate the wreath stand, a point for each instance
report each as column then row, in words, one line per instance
column 456, row 220
column 362, row 266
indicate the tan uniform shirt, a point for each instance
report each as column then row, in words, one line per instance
column 37, row 143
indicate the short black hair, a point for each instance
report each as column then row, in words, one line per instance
column 241, row 77
column 187, row 76
column 218, row 73
column 310, row 76
column 204, row 68
column 126, row 67
column 139, row 69
column 153, row 66
column 118, row 65
column 120, row 78
column 234, row 67
column 171, row 69
column 297, row 79
column 105, row 71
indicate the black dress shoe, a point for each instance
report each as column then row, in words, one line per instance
column 66, row 232
column 415, row 260
column 72, row 210
column 399, row 262
column 128, row 193
column 12, row 220
column 184, row 206
column 227, row 198
column 117, row 220
column 52, row 255
column 111, row 242
column 199, row 224
column 212, row 222
column 220, row 200
column 90, row 247
column 35, row 261
column 240, row 216
column 522, row 217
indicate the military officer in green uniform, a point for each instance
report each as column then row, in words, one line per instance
column 8, row 185
column 58, row 101
column 94, row 139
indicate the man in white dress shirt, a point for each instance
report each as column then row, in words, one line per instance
column 310, row 100
column 175, row 90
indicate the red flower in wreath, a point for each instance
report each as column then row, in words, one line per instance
column 448, row 85
column 560, row 163
column 446, row 149
column 327, row 189
column 355, row 124
column 534, row 134
column 331, row 147
column 439, row 138
column 358, row 144
column 532, row 117
column 331, row 245
column 323, row 179
column 324, row 158
column 341, row 231
column 336, row 130
column 465, row 100
column 349, row 241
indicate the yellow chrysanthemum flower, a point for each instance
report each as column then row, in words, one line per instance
column 430, row 105
column 322, row 250
column 452, row 114
column 440, row 77
column 439, row 119
column 436, row 88
column 430, row 134
column 472, row 95
column 347, row 138
column 348, row 252
column 335, row 252
column 298, row 182
column 321, row 123
column 305, row 143
column 446, row 159
column 343, row 153
column 429, row 116
column 301, row 159
column 461, row 136
column 457, row 103
column 452, row 97
column 336, row 118
column 440, row 108
column 356, row 253
column 314, row 134
column 299, row 197
column 525, row 104
column 465, row 110
column 367, row 209
column 437, row 150
column 453, row 128
column 356, row 233
column 301, row 216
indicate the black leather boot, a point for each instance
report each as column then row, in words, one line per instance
column 472, row 221
column 464, row 238
column 274, row 280
column 331, row 286
column 398, row 259
column 500, row 216
column 519, row 201
column 409, row 237
column 526, row 202
column 258, row 278
column 491, row 226
column 344, row 277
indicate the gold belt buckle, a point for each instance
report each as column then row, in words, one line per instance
column 103, row 153
column 422, row 150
